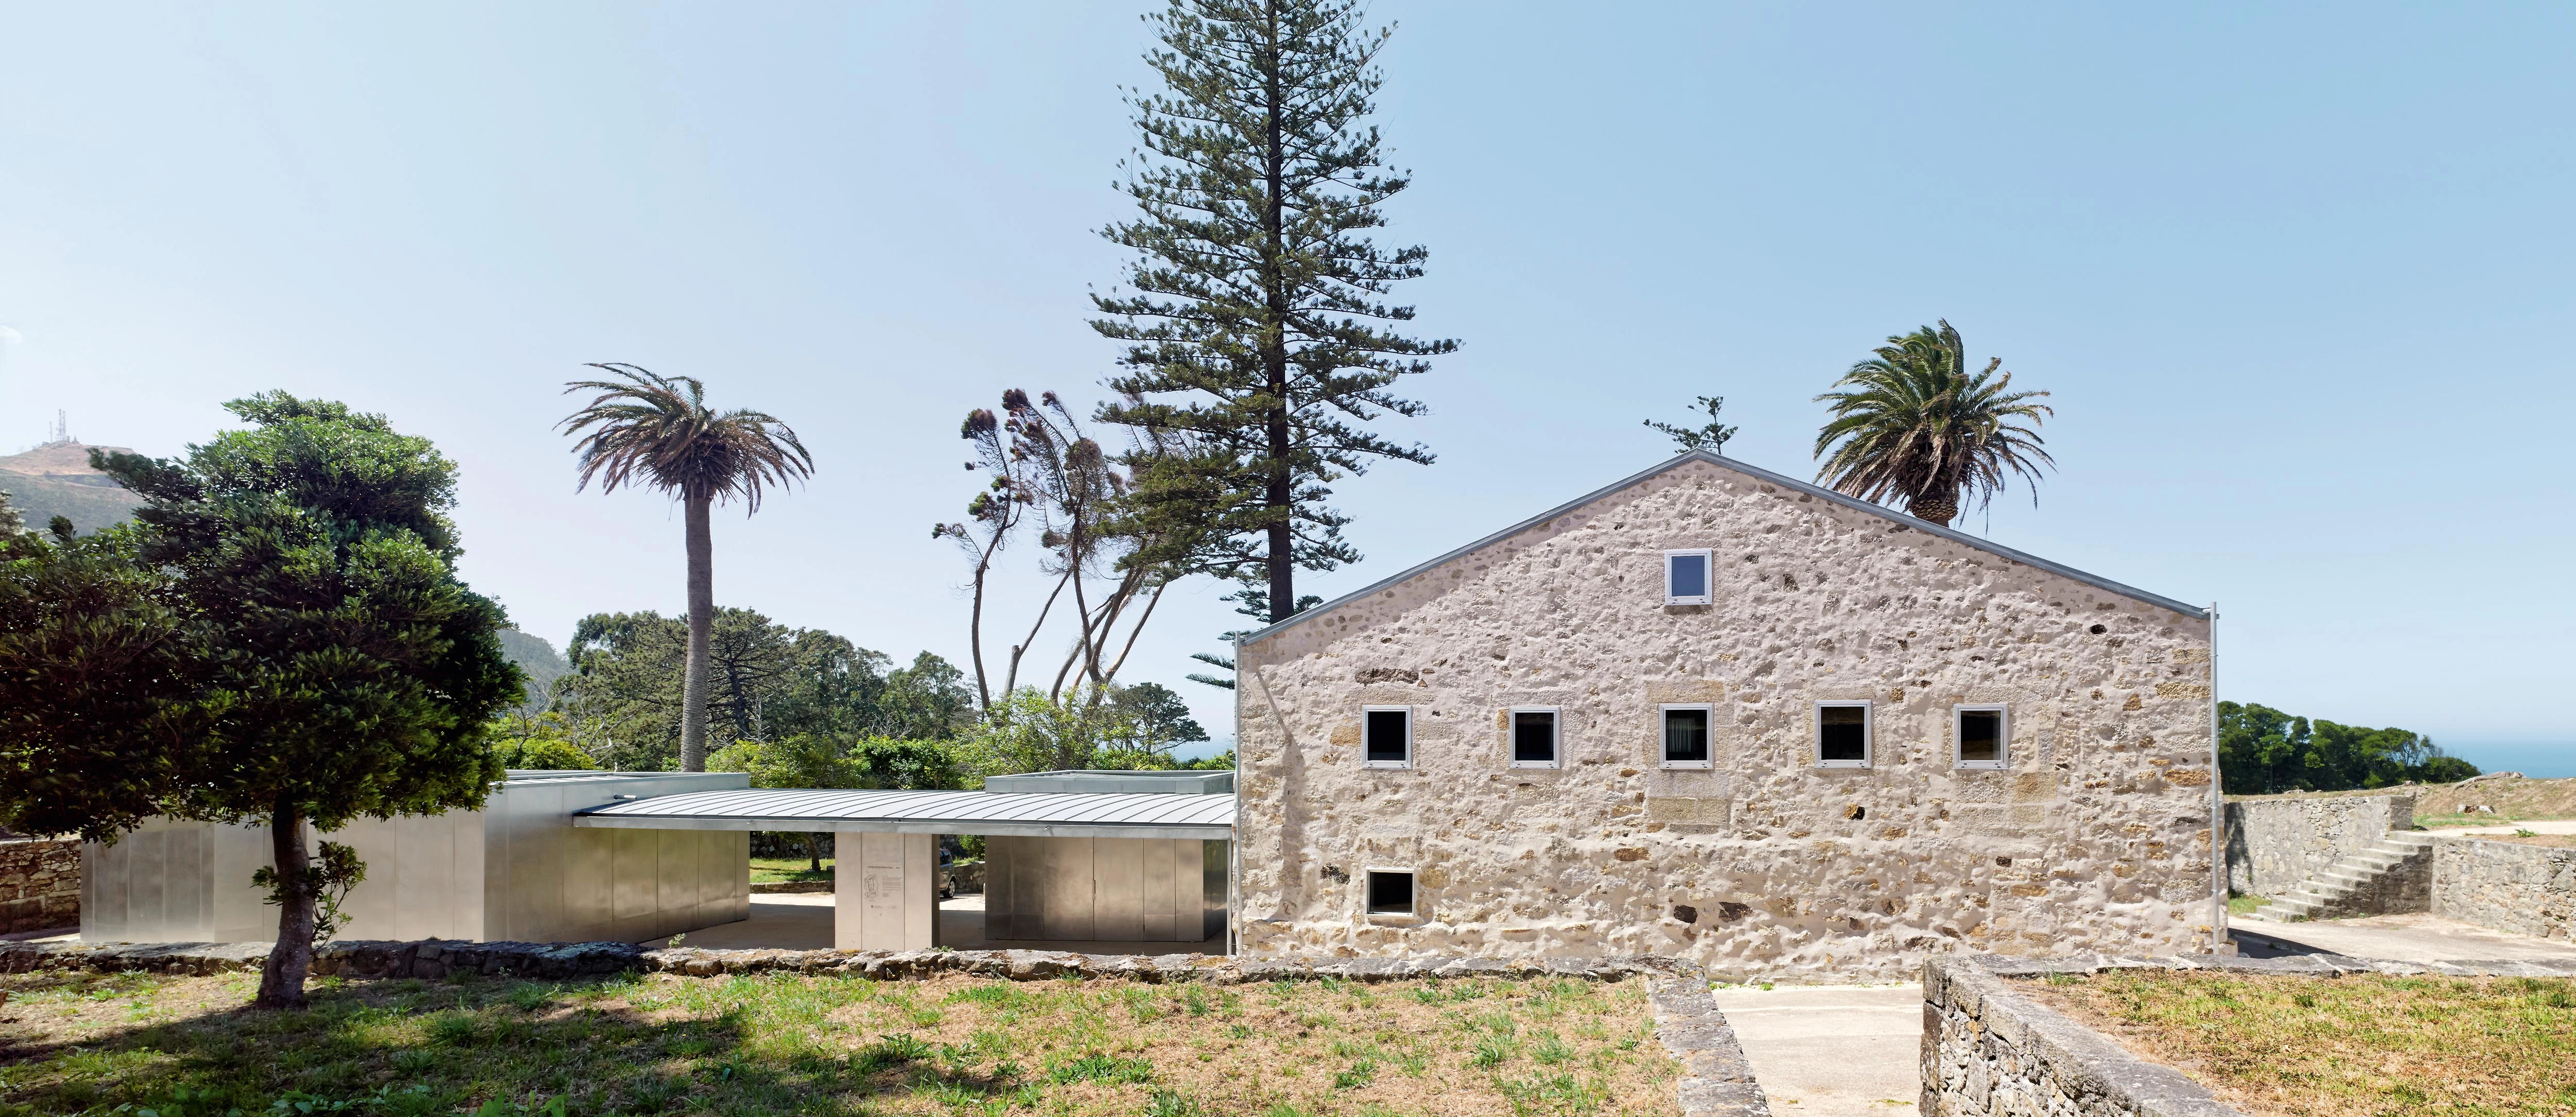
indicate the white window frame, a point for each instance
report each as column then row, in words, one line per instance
column 2003, row 737
column 1708, row 580
column 1407, row 762
column 1664, row 744
column 1868, row 732
column 1368, row 909
column 1555, row 737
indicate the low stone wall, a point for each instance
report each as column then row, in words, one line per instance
column 1716, row 1080
column 2506, row 886
column 40, row 884
column 2275, row 843
column 437, row 958
column 1989, row 1050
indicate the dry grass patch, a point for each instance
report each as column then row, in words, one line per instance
column 781, row 1043
column 2344, row 1047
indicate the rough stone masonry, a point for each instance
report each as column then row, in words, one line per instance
column 40, row 884
column 2093, row 836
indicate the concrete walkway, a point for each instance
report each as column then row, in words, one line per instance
column 1839, row 1050
column 2414, row 937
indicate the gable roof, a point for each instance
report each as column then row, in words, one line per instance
column 1676, row 461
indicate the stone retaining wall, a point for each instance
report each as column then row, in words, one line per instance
column 2507, row 886
column 2274, row 844
column 1989, row 1050
column 40, row 884
column 1716, row 1080
column 440, row 958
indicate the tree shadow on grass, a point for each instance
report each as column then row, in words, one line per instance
column 492, row 1046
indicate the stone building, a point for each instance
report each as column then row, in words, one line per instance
column 1718, row 712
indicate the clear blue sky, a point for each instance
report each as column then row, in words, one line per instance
column 2298, row 277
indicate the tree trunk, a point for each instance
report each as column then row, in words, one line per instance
column 281, row 981
column 702, row 617
column 814, row 853
column 1279, row 498
column 1939, row 508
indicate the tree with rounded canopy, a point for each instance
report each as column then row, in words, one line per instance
column 312, row 656
column 644, row 428
column 1913, row 423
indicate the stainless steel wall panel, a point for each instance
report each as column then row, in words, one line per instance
column 1001, row 900
column 228, row 856
column 518, row 869
column 1218, row 870
column 1160, row 920
column 1118, row 888
column 884, row 892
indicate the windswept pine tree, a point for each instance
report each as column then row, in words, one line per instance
column 1254, row 314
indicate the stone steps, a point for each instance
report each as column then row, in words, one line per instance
column 2336, row 889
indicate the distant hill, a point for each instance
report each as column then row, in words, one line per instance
column 55, row 480
column 539, row 659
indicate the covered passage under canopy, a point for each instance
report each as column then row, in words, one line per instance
column 1063, row 863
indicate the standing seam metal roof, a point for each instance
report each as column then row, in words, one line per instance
column 1106, row 814
column 1723, row 462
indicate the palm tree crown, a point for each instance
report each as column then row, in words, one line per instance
column 660, row 428
column 657, row 430
column 1913, row 422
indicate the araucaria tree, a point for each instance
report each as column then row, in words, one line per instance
column 284, row 629
column 644, row 428
column 1913, row 423
column 1255, row 319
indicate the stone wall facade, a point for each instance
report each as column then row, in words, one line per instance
column 40, row 884
column 2506, row 886
column 2095, row 835
column 2274, row 844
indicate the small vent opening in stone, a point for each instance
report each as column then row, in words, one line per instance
column 1390, row 892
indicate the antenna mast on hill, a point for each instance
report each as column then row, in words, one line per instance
column 62, row 430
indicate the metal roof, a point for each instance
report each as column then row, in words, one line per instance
column 1133, row 814
column 1723, row 462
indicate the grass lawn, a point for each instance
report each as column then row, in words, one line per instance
column 771, row 870
column 2346, row 1046
column 781, row 1043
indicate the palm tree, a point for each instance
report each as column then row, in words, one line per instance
column 654, row 430
column 1914, row 423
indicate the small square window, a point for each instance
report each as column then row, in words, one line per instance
column 1842, row 734
column 1534, row 737
column 1386, row 736
column 1686, row 736
column 1686, row 578
column 1390, row 892
column 1980, row 732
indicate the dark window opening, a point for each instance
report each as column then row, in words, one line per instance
column 1842, row 735
column 1981, row 736
column 1390, row 893
column 1533, row 736
column 1686, row 736
column 1389, row 736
